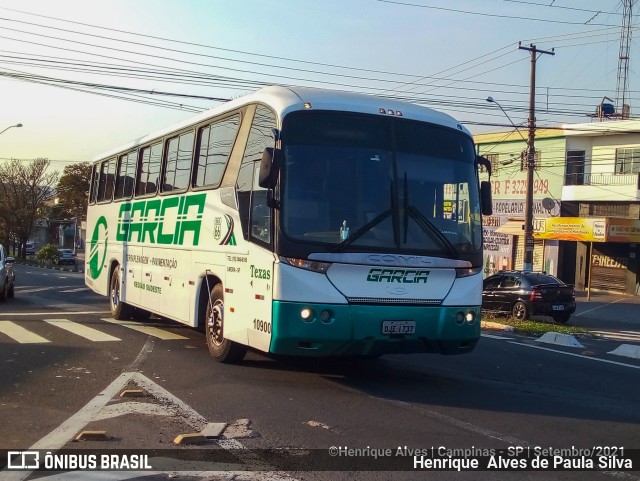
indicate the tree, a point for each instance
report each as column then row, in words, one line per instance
column 73, row 191
column 24, row 188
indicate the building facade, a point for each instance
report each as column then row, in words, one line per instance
column 582, row 171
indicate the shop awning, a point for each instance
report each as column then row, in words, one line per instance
column 512, row 227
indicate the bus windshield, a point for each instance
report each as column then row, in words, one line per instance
column 361, row 182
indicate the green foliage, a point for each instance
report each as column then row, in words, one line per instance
column 24, row 189
column 73, row 191
column 532, row 327
column 48, row 252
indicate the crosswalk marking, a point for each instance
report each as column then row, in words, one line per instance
column 620, row 335
column 78, row 289
column 20, row 334
column 150, row 330
column 81, row 330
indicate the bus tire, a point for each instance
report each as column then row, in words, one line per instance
column 120, row 311
column 221, row 349
column 141, row 314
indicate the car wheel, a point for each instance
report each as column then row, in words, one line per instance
column 120, row 311
column 3, row 291
column 520, row 311
column 562, row 318
column 220, row 348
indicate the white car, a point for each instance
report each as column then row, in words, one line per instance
column 7, row 275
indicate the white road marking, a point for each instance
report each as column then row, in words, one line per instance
column 576, row 355
column 78, row 289
column 621, row 335
column 598, row 307
column 149, row 330
column 68, row 313
column 81, row 330
column 20, row 334
column 493, row 336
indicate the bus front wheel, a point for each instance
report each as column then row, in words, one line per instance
column 120, row 311
column 220, row 348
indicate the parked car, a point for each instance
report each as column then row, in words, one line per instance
column 524, row 294
column 7, row 275
column 66, row 256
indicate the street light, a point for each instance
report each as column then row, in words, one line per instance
column 491, row 100
column 11, row 126
column 528, row 203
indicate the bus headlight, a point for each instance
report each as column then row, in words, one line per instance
column 306, row 314
column 307, row 264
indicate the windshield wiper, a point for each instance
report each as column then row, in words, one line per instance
column 425, row 224
column 431, row 230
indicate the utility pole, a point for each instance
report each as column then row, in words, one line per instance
column 531, row 160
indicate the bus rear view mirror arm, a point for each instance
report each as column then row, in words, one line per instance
column 486, row 163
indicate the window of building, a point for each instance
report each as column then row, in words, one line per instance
column 215, row 143
column 178, row 162
column 574, row 171
column 628, row 161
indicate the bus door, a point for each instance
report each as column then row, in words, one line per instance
column 260, row 266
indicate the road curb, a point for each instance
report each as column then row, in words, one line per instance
column 496, row 326
column 55, row 268
column 627, row 350
column 559, row 339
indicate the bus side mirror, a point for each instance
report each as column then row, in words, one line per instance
column 485, row 198
column 269, row 167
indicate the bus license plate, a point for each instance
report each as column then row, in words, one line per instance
column 398, row 327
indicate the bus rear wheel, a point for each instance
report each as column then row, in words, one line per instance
column 220, row 348
column 120, row 311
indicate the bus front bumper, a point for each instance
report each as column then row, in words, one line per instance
column 307, row 329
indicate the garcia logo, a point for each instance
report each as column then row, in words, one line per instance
column 167, row 221
column 96, row 258
column 403, row 276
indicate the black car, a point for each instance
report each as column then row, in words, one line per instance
column 525, row 294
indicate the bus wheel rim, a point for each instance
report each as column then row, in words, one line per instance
column 215, row 323
column 115, row 296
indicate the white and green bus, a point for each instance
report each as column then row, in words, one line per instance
column 297, row 221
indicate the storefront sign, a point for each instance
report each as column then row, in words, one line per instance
column 571, row 229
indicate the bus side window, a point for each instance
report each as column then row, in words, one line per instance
column 260, row 136
column 149, row 169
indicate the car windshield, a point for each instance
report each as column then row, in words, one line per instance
column 357, row 181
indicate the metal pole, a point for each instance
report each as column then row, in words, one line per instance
column 531, row 161
column 589, row 276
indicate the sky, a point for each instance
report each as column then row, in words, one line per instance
column 65, row 65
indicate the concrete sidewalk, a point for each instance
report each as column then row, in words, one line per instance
column 605, row 310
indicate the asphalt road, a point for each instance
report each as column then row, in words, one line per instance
column 511, row 391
